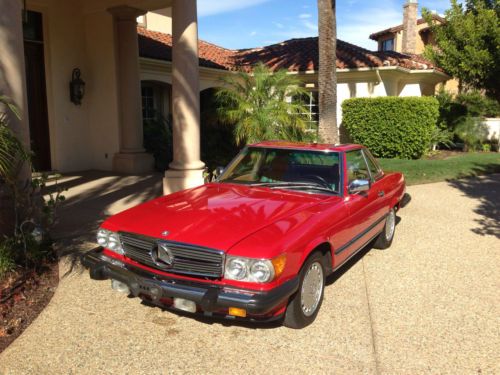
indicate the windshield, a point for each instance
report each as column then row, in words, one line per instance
column 285, row 168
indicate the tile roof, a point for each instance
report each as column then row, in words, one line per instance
column 156, row 45
column 295, row 55
column 398, row 28
column 299, row 55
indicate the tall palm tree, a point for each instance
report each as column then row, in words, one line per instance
column 259, row 105
column 327, row 75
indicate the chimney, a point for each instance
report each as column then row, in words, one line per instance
column 410, row 11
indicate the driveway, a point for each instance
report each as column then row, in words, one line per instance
column 428, row 305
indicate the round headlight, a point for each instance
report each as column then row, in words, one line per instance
column 102, row 237
column 114, row 243
column 236, row 269
column 262, row 271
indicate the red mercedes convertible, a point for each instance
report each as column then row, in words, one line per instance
column 259, row 241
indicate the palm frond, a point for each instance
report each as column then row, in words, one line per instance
column 256, row 104
column 13, row 154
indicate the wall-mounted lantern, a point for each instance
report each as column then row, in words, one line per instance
column 76, row 87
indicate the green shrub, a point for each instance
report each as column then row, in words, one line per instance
column 478, row 105
column 392, row 127
column 6, row 260
column 158, row 141
column 494, row 143
column 472, row 132
column 453, row 111
column 218, row 146
column 450, row 111
column 441, row 137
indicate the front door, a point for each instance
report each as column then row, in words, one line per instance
column 364, row 215
column 37, row 91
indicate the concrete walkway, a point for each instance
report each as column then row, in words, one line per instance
column 428, row 305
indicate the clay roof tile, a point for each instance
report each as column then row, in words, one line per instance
column 295, row 55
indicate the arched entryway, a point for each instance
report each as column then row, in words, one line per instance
column 217, row 139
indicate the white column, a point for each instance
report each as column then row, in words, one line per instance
column 12, row 69
column 131, row 158
column 13, row 85
column 186, row 169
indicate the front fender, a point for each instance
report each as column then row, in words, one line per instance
column 323, row 244
column 297, row 236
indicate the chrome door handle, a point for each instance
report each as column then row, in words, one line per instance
column 381, row 193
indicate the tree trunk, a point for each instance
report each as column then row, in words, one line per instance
column 327, row 75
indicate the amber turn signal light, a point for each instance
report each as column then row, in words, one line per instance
column 279, row 265
column 235, row 311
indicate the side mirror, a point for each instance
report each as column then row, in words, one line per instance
column 217, row 172
column 358, row 186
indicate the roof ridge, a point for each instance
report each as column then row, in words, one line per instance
column 296, row 40
column 280, row 43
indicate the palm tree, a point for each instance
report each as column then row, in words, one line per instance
column 13, row 154
column 327, row 75
column 259, row 105
column 13, row 157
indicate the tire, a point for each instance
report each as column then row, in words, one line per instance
column 384, row 239
column 303, row 307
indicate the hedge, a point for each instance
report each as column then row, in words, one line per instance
column 392, row 127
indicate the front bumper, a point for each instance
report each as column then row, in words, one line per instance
column 405, row 200
column 209, row 298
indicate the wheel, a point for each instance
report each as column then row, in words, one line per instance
column 384, row 239
column 304, row 305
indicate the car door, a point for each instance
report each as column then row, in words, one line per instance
column 363, row 207
column 378, row 185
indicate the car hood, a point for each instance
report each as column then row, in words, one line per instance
column 213, row 215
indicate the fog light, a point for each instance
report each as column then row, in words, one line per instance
column 185, row 305
column 119, row 286
column 235, row 311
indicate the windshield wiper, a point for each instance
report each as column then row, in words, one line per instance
column 303, row 187
column 293, row 185
column 280, row 183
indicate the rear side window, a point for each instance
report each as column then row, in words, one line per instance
column 356, row 166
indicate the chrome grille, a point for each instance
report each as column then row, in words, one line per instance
column 187, row 259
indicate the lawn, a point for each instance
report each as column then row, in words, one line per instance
column 433, row 170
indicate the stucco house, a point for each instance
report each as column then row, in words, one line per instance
column 412, row 37
column 140, row 56
column 361, row 73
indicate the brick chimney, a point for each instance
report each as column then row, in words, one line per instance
column 410, row 12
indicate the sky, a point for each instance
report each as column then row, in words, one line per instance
column 239, row 24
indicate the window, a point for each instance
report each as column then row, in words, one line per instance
column 375, row 170
column 356, row 166
column 148, row 103
column 388, row 45
column 312, row 111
